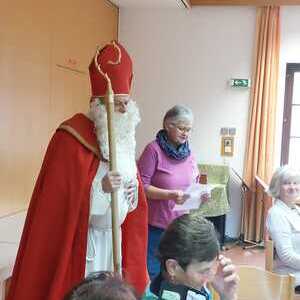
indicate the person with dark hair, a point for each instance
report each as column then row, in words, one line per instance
column 103, row 285
column 189, row 253
column 167, row 167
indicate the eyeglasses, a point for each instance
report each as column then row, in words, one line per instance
column 182, row 129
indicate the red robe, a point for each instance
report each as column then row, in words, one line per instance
column 52, row 252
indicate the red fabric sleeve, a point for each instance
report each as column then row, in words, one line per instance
column 52, row 251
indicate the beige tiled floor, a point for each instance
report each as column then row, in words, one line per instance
column 240, row 256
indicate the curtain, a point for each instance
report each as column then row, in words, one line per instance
column 259, row 158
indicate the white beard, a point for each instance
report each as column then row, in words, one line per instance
column 124, row 127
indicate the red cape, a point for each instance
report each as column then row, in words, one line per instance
column 52, row 252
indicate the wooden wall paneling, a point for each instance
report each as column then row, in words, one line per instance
column 245, row 2
column 35, row 94
column 24, row 94
column 75, row 35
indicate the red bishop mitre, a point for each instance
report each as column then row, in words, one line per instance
column 114, row 61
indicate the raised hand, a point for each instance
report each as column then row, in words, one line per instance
column 226, row 279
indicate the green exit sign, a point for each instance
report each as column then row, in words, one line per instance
column 243, row 83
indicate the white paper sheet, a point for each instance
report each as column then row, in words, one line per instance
column 193, row 194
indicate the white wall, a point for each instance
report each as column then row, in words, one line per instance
column 188, row 56
column 289, row 53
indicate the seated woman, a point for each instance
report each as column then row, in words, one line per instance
column 103, row 285
column 283, row 221
column 189, row 256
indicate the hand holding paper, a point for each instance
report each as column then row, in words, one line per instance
column 178, row 196
column 195, row 194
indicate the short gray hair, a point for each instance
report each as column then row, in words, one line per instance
column 178, row 113
column 281, row 175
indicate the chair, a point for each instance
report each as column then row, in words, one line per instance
column 256, row 283
column 269, row 255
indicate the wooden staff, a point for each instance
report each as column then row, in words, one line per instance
column 113, row 167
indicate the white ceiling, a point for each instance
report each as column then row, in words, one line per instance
column 148, row 3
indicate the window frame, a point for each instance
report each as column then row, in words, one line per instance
column 291, row 69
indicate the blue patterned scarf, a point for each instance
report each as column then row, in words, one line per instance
column 179, row 153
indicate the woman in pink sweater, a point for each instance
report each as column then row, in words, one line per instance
column 167, row 167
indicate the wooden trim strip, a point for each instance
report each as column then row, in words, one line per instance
column 264, row 186
column 186, row 3
column 71, row 69
column 13, row 214
column 74, row 133
column 112, row 4
column 245, row 2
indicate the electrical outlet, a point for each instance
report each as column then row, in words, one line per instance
column 232, row 131
column 224, row 131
